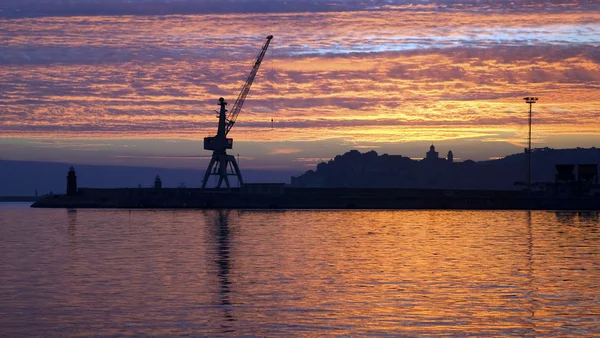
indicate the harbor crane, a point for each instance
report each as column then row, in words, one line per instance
column 220, row 161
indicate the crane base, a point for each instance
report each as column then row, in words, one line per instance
column 218, row 166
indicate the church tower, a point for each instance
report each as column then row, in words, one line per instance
column 71, row 182
column 431, row 155
column 450, row 157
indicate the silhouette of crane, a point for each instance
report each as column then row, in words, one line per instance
column 221, row 161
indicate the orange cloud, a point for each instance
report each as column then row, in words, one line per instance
column 357, row 77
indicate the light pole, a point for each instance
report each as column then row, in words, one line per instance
column 531, row 101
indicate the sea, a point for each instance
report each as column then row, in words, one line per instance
column 266, row 273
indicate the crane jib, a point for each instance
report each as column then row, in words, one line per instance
column 237, row 107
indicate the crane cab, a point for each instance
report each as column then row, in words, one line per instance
column 212, row 143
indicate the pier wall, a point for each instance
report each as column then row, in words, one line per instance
column 315, row 198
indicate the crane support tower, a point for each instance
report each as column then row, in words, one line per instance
column 221, row 164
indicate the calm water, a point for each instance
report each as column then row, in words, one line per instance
column 291, row 273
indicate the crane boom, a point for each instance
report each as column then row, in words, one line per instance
column 237, row 107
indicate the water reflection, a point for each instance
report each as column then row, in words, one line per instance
column 593, row 216
column 71, row 229
column 291, row 273
column 565, row 217
column 570, row 217
column 531, row 293
column 218, row 222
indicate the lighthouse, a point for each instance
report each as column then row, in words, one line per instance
column 71, row 182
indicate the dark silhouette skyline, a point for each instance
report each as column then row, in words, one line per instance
column 371, row 170
column 352, row 169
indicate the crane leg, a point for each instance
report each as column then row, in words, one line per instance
column 223, row 171
column 208, row 170
column 238, row 173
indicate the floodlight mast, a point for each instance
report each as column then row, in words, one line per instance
column 530, row 101
column 220, row 160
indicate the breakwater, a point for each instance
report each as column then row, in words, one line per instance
column 275, row 196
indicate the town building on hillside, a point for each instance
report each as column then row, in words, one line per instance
column 433, row 156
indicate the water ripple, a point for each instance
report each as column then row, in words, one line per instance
column 259, row 273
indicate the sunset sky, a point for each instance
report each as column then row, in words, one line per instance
column 84, row 81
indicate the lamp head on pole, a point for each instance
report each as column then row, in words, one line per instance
column 530, row 99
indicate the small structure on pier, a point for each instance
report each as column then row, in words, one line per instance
column 71, row 182
column 157, row 183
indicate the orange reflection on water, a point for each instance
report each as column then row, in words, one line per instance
column 271, row 273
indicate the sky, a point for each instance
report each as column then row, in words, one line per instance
column 137, row 82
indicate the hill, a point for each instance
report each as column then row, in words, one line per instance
column 370, row 170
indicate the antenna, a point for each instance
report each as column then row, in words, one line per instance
column 272, row 60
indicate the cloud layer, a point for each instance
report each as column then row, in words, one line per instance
column 360, row 77
column 41, row 8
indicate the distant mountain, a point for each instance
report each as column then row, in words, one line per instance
column 23, row 178
column 370, row 170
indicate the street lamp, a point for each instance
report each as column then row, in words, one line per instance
column 531, row 101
